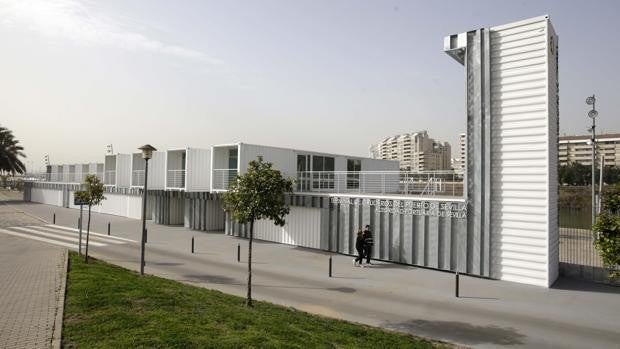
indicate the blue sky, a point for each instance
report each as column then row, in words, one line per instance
column 331, row 76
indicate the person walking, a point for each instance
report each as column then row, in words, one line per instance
column 359, row 246
column 368, row 243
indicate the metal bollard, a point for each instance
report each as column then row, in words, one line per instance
column 192, row 244
column 456, row 285
column 54, row 219
column 238, row 252
column 108, row 228
column 330, row 266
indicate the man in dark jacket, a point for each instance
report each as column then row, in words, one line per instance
column 368, row 243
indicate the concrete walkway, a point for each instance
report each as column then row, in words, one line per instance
column 32, row 292
column 419, row 301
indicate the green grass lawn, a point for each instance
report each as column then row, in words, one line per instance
column 111, row 307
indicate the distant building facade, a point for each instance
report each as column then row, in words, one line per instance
column 577, row 149
column 460, row 163
column 415, row 151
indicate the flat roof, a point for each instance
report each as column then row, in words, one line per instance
column 587, row 137
column 300, row 151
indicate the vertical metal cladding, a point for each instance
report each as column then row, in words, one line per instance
column 406, row 230
column 157, row 170
column 553, row 95
column 123, row 170
column 523, row 151
column 168, row 207
column 204, row 211
column 198, row 174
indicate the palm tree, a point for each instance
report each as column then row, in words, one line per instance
column 10, row 153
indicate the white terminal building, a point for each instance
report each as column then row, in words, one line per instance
column 499, row 221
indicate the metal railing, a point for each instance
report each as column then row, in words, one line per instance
column 175, row 179
column 110, row 178
column 60, row 177
column 137, row 178
column 578, row 256
column 442, row 183
column 223, row 177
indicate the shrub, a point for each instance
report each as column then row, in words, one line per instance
column 607, row 232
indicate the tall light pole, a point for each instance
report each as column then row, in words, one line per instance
column 592, row 114
column 147, row 154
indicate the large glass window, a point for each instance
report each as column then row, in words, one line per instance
column 323, row 172
column 303, row 173
column 354, row 166
column 232, row 158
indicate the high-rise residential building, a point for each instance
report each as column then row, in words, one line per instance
column 415, row 151
column 462, row 151
column 578, row 149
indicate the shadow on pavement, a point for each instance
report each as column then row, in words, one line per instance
column 460, row 332
column 213, row 279
column 17, row 202
column 224, row 280
column 585, row 286
column 485, row 298
column 376, row 265
column 166, row 264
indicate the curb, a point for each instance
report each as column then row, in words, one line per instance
column 60, row 303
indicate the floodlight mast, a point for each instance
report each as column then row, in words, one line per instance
column 592, row 114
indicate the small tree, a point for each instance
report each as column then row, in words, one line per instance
column 93, row 195
column 607, row 232
column 258, row 194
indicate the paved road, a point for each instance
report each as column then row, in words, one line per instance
column 489, row 314
column 32, row 285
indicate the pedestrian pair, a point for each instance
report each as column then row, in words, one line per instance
column 363, row 245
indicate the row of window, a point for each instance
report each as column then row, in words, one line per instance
column 326, row 166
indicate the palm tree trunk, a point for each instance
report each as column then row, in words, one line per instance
column 87, row 233
column 248, row 301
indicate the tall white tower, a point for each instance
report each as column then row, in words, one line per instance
column 512, row 134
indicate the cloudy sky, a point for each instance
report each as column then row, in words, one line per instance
column 331, row 76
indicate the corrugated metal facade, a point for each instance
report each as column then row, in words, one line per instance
column 524, row 231
column 553, row 142
column 157, row 170
column 204, row 211
column 123, row 170
column 46, row 196
column 401, row 234
column 302, row 228
column 198, row 174
column 168, row 208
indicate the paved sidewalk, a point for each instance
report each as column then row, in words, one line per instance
column 32, row 287
column 489, row 314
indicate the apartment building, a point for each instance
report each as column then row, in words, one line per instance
column 415, row 151
column 578, row 149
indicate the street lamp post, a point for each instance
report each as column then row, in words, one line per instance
column 147, row 153
column 592, row 114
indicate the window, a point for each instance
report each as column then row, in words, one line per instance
column 323, row 172
column 232, row 158
column 354, row 166
column 303, row 174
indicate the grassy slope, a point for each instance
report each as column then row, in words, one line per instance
column 111, row 307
